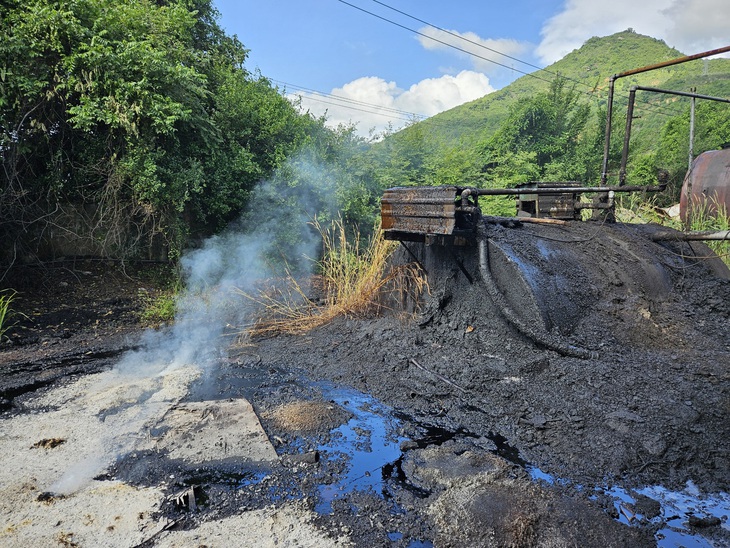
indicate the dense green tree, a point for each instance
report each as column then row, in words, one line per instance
column 540, row 139
column 138, row 113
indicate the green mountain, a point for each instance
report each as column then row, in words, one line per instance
column 589, row 69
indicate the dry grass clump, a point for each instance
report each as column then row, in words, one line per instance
column 6, row 312
column 701, row 220
column 355, row 281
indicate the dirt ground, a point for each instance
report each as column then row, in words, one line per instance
column 574, row 423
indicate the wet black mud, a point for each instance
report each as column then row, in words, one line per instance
column 454, row 428
column 648, row 411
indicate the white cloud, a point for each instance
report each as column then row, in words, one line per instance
column 481, row 52
column 691, row 26
column 698, row 25
column 373, row 103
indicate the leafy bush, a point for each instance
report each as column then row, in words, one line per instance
column 140, row 111
column 159, row 309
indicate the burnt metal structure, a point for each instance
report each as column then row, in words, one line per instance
column 450, row 214
column 565, row 206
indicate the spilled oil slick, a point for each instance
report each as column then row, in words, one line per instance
column 368, row 442
column 676, row 512
column 368, row 452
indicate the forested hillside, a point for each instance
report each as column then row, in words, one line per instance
column 549, row 125
column 127, row 129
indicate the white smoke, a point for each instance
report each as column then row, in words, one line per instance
column 125, row 402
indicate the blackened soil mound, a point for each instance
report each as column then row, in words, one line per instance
column 70, row 317
column 650, row 407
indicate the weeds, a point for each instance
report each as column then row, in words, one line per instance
column 6, row 312
column 162, row 307
column 159, row 309
column 634, row 209
column 701, row 220
column 355, row 281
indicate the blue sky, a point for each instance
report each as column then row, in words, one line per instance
column 388, row 71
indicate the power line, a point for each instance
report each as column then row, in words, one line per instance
column 460, row 37
column 390, row 116
column 592, row 90
column 369, row 108
column 398, row 112
column 378, row 110
column 447, row 44
column 480, row 45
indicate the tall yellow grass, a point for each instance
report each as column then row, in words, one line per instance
column 354, row 280
column 701, row 220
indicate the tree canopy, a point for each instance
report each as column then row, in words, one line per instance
column 137, row 115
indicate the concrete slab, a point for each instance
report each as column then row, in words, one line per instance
column 214, row 431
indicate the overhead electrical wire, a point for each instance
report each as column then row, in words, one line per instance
column 359, row 105
column 393, row 113
column 390, row 116
column 460, row 37
column 591, row 93
column 419, row 33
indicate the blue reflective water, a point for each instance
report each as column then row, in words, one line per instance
column 368, row 441
column 676, row 509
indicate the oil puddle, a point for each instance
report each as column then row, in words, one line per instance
column 681, row 514
column 365, row 446
column 365, row 455
column 682, row 519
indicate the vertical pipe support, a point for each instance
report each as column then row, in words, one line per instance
column 609, row 117
column 691, row 129
column 627, row 136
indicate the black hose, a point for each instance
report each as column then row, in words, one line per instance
column 540, row 337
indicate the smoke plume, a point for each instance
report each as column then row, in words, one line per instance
column 128, row 400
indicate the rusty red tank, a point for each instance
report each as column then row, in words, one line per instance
column 708, row 183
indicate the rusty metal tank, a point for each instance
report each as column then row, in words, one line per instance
column 708, row 183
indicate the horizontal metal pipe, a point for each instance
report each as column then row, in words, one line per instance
column 562, row 190
column 681, row 94
column 720, row 235
column 671, row 62
column 611, row 86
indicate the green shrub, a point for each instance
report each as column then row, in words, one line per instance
column 6, row 312
column 159, row 309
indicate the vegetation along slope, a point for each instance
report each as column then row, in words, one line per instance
column 129, row 130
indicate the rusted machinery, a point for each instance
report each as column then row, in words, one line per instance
column 540, row 282
column 449, row 214
column 706, row 187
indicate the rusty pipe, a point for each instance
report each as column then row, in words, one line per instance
column 611, row 90
column 675, row 61
column 719, row 235
column 627, row 136
column 564, row 190
column 609, row 121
